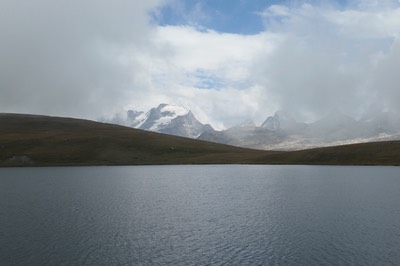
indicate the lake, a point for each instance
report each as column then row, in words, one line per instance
column 200, row 215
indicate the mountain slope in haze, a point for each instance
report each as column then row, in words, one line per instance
column 167, row 119
column 281, row 132
column 278, row 132
column 31, row 140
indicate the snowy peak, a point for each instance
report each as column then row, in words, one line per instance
column 185, row 126
column 167, row 119
column 279, row 131
column 173, row 110
column 159, row 117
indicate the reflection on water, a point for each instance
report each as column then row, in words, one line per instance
column 199, row 215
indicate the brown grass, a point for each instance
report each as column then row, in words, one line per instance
column 53, row 141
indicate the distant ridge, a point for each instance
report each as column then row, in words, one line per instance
column 33, row 140
column 282, row 132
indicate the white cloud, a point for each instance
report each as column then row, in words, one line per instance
column 376, row 4
column 276, row 11
column 209, row 70
column 316, row 60
column 367, row 24
column 385, row 80
column 328, row 59
column 192, row 49
column 89, row 58
column 62, row 57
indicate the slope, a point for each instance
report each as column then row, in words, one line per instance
column 46, row 141
column 31, row 140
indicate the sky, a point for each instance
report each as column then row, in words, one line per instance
column 226, row 60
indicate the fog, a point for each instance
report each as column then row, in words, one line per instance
column 94, row 58
column 70, row 57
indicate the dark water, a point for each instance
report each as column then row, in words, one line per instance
column 200, row 215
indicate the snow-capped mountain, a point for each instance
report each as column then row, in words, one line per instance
column 278, row 132
column 167, row 119
column 158, row 118
column 281, row 132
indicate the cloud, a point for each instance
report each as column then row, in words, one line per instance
column 310, row 60
column 210, row 70
column 332, row 60
column 385, row 80
column 89, row 58
column 193, row 49
column 64, row 57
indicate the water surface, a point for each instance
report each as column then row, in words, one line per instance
column 200, row 215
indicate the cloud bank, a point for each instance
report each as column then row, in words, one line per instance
column 70, row 57
column 91, row 58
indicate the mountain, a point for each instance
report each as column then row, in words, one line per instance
column 242, row 136
column 282, row 121
column 134, row 118
column 166, row 119
column 32, row 140
column 248, row 124
column 382, row 123
column 282, row 132
column 278, row 132
column 333, row 127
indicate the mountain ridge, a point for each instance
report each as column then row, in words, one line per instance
column 32, row 140
column 281, row 132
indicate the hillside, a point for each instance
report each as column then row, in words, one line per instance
column 42, row 140
column 31, row 140
column 373, row 153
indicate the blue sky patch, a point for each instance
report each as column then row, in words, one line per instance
column 228, row 16
column 207, row 80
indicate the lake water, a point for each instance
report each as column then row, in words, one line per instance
column 200, row 215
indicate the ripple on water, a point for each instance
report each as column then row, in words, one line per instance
column 204, row 215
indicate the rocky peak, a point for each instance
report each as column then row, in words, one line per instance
column 167, row 119
column 248, row 124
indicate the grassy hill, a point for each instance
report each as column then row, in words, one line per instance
column 31, row 140
column 373, row 153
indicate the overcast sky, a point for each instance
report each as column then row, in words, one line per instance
column 226, row 60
